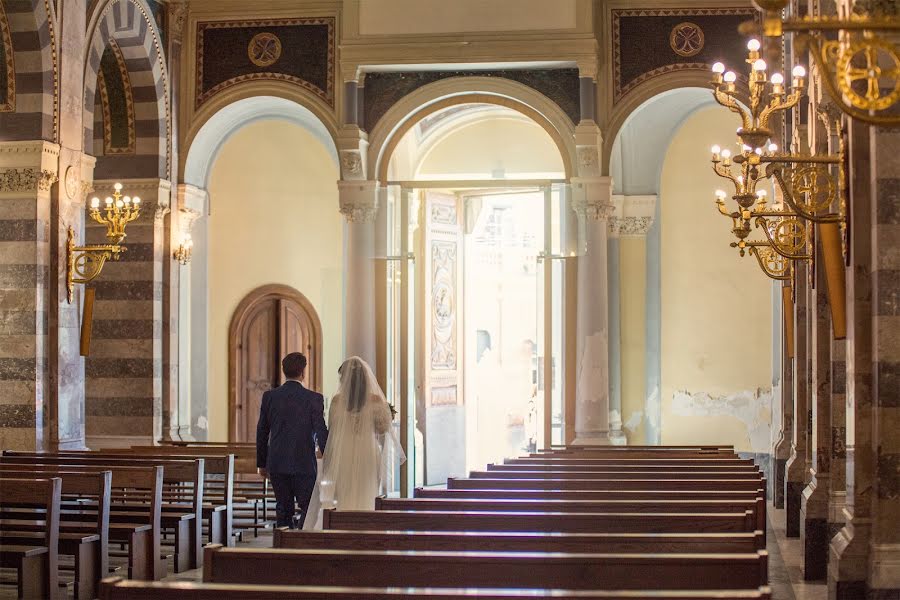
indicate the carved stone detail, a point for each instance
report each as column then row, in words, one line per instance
column 359, row 209
column 593, row 208
column 351, row 163
column 443, row 304
column 588, row 157
column 178, row 12
column 26, row 180
column 630, row 226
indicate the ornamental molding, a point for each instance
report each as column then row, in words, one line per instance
column 26, row 180
column 358, row 201
column 630, row 226
column 351, row 164
column 597, row 209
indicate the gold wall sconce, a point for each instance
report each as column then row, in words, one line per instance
column 860, row 69
column 184, row 250
column 84, row 263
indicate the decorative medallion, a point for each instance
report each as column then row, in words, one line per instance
column 686, row 39
column 264, row 49
column 790, row 235
column 7, row 66
column 71, row 182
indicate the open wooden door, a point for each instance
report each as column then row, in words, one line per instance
column 440, row 410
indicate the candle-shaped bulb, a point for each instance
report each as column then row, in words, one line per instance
column 773, row 148
column 718, row 68
column 127, row 200
column 799, row 71
column 119, row 204
column 108, row 200
column 716, row 149
column 720, row 194
column 753, row 45
column 777, row 79
column 118, row 187
column 759, row 65
column 136, row 200
column 726, row 153
column 761, row 194
column 759, row 151
column 730, row 77
column 95, row 202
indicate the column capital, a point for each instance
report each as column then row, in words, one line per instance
column 592, row 197
column 177, row 14
column 633, row 216
column 358, row 200
column 587, row 67
column 353, row 144
column 29, row 166
column 192, row 198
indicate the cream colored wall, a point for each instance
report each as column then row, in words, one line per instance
column 716, row 307
column 405, row 17
column 274, row 219
column 632, row 312
column 518, row 146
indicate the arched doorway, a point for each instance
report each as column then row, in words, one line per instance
column 270, row 322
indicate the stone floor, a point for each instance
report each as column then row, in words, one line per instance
column 785, row 565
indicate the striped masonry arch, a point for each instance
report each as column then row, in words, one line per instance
column 129, row 24
column 29, row 109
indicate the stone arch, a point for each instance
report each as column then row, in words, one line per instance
column 233, row 111
column 129, row 26
column 26, row 25
column 638, row 98
column 434, row 97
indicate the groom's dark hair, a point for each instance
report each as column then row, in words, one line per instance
column 293, row 365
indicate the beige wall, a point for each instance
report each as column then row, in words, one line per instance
column 405, row 17
column 716, row 307
column 632, row 311
column 518, row 146
column 274, row 219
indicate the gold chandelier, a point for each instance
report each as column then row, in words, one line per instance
column 858, row 64
column 84, row 263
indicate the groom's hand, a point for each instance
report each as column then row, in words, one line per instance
column 264, row 473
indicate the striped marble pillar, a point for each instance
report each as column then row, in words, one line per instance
column 884, row 579
column 837, row 488
column 814, row 504
column 27, row 173
column 797, row 471
column 124, row 371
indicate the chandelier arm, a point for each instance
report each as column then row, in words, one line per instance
column 725, row 172
column 724, row 211
column 731, row 103
column 817, row 51
column 790, row 201
column 771, row 108
column 762, row 265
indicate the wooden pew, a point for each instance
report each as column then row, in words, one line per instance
column 545, row 483
column 118, row 589
column 385, row 520
column 37, row 564
column 610, row 473
column 590, row 494
column 140, row 530
column 515, row 541
column 757, row 506
column 485, row 569
column 89, row 549
column 605, row 460
column 627, row 466
column 185, row 520
column 218, row 485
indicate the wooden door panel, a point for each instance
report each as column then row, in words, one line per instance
column 295, row 335
column 259, row 355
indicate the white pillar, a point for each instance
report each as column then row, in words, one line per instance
column 359, row 204
column 593, row 202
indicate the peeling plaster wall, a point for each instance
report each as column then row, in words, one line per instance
column 716, row 307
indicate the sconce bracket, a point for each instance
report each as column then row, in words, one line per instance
column 84, row 263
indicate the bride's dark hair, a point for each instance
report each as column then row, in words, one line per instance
column 354, row 385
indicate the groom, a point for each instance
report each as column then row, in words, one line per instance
column 291, row 424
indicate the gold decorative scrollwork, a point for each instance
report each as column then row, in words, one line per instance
column 813, row 187
column 789, row 235
column 871, row 61
column 772, row 263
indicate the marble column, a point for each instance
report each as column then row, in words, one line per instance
column 123, row 373
column 782, row 449
column 616, row 435
column 884, row 574
column 592, row 201
column 796, row 468
column 848, row 568
column 814, row 503
column 359, row 204
column 27, row 172
column 837, row 488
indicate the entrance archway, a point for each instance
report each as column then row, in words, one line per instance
column 270, row 322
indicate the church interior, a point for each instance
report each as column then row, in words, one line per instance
column 627, row 271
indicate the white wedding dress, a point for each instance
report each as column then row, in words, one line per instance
column 361, row 446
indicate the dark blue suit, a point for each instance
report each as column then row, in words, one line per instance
column 291, row 424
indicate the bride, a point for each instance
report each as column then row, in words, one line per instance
column 361, row 443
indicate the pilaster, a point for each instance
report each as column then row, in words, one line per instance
column 797, row 469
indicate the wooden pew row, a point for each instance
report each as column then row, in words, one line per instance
column 611, row 473
column 517, row 541
column 184, row 520
column 582, row 483
column 37, row 563
column 603, row 460
column 485, row 569
column 590, row 494
column 218, row 485
column 118, row 589
column 756, row 506
column 90, row 549
column 140, row 531
column 626, row 466
column 254, row 498
column 607, row 522
column 712, row 448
